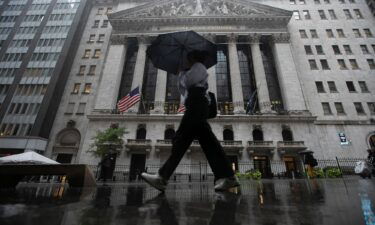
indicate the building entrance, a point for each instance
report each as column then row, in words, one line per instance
column 290, row 165
column 262, row 164
column 137, row 165
column 64, row 158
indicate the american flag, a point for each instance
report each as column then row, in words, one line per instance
column 181, row 108
column 129, row 100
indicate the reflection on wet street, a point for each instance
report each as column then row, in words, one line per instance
column 266, row 202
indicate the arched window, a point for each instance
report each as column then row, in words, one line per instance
column 169, row 134
column 257, row 135
column 228, row 135
column 141, row 133
column 287, row 135
column 372, row 141
column 69, row 137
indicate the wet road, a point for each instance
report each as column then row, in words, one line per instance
column 267, row 202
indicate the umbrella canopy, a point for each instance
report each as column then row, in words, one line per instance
column 168, row 51
column 27, row 158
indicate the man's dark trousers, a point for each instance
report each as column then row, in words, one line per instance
column 194, row 125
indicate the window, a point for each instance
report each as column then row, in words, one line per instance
column 354, row 64
column 330, row 33
column 371, row 64
column 350, row 86
column 317, row 2
column 87, row 54
column 313, row 65
column 352, row 1
column 76, row 88
column 314, row 34
column 327, row 1
column 302, row 2
column 326, row 108
column 105, row 24
column 92, row 70
column 319, row 87
column 348, row 50
column 109, row 10
column 97, row 53
column 319, row 49
column 373, row 48
column 322, row 14
column 339, row 108
column 296, row 15
column 332, row 87
column 363, row 86
column 96, row 24
column 371, row 107
column 87, row 88
column 332, row 14
column 100, row 11
column 336, row 49
column 324, row 64
column 91, row 38
column 342, row 1
column 357, row 33
column 342, row 64
column 367, row 32
column 348, row 15
column 303, row 33
column 365, row 49
column 292, row 2
column 101, row 38
column 70, row 108
column 308, row 50
column 306, row 14
column 81, row 108
column 81, row 70
column 340, row 33
column 358, row 14
column 359, row 108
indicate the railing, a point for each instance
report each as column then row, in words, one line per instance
column 139, row 142
column 260, row 143
column 287, row 144
column 164, row 142
column 229, row 143
column 225, row 108
column 201, row 171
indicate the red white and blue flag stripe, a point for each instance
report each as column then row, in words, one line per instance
column 129, row 100
column 181, row 108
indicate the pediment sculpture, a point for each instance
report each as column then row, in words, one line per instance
column 185, row 8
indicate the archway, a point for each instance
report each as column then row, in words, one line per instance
column 169, row 134
column 67, row 145
column 228, row 135
column 258, row 135
column 141, row 133
column 287, row 135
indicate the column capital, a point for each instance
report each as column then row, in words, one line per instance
column 210, row 36
column 254, row 38
column 232, row 38
column 144, row 39
column 118, row 39
column 281, row 38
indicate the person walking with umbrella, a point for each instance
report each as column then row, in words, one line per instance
column 193, row 87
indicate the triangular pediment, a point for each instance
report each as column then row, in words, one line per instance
column 200, row 8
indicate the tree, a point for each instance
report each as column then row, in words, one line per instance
column 108, row 141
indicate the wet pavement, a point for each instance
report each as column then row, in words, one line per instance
column 267, row 202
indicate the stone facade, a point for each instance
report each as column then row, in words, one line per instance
column 230, row 22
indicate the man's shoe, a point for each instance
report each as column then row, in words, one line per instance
column 155, row 180
column 224, row 184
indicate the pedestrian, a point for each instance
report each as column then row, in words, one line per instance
column 193, row 87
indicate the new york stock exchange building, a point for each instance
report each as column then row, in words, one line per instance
column 282, row 56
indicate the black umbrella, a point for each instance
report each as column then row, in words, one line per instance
column 168, row 51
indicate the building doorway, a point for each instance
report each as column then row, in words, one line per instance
column 137, row 165
column 290, row 165
column 262, row 164
column 64, row 158
column 233, row 160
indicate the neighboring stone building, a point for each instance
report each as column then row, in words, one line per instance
column 310, row 62
column 38, row 41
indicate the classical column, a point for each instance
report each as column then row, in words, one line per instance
column 161, row 87
column 290, row 84
column 260, row 75
column 139, row 70
column 111, row 77
column 235, row 76
column 211, row 71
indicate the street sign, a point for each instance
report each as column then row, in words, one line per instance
column 343, row 139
